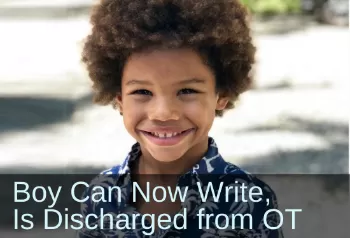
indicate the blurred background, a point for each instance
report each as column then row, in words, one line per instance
column 295, row 120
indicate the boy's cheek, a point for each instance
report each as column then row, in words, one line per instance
column 133, row 112
column 205, row 108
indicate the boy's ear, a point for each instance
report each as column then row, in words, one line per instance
column 118, row 100
column 221, row 103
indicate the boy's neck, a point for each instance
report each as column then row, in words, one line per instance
column 148, row 165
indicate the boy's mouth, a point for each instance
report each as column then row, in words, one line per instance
column 167, row 135
column 166, row 138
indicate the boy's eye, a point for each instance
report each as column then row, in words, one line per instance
column 142, row 92
column 187, row 91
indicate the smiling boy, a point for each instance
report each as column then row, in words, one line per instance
column 170, row 67
column 168, row 103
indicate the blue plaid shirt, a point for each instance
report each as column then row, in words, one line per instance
column 211, row 167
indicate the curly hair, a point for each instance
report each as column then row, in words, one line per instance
column 217, row 29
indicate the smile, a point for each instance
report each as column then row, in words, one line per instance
column 166, row 138
column 166, row 135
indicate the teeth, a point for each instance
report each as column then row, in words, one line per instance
column 170, row 135
column 165, row 135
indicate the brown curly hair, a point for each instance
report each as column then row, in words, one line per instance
column 217, row 29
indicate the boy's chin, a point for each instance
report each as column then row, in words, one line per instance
column 167, row 155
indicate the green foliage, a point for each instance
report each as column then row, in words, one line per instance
column 270, row 7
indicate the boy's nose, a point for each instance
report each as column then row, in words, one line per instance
column 164, row 109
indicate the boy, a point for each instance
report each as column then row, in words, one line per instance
column 170, row 67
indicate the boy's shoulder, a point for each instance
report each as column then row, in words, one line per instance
column 113, row 170
column 252, row 179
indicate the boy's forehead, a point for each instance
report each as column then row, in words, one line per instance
column 175, row 65
column 174, row 58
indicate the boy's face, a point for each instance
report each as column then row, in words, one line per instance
column 168, row 101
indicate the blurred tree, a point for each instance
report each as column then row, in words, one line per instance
column 271, row 7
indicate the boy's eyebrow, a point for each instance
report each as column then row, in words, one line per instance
column 145, row 82
column 192, row 80
column 136, row 81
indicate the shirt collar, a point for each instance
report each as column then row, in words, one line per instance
column 211, row 162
